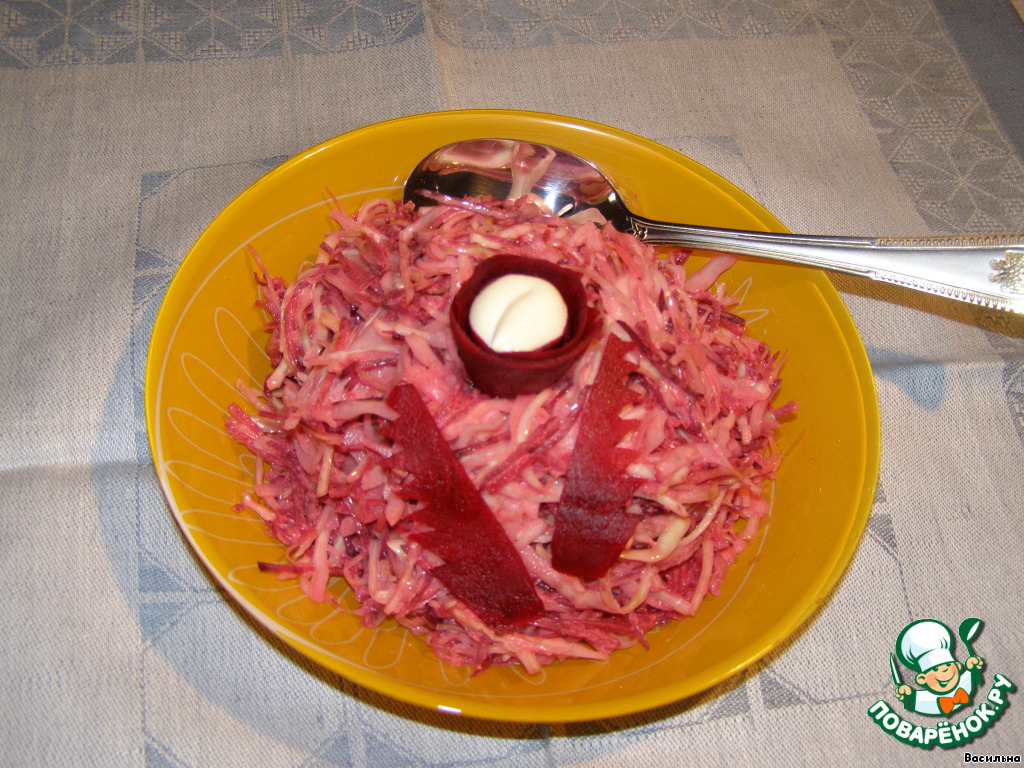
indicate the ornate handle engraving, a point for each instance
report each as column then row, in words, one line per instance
column 1009, row 272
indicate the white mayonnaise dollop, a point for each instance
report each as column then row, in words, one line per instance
column 518, row 313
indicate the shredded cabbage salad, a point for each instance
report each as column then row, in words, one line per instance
column 372, row 312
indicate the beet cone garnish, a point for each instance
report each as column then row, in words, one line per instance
column 508, row 374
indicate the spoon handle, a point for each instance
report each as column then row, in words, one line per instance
column 980, row 269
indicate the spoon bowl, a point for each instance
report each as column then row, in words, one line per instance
column 987, row 270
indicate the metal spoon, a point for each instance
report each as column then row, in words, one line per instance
column 980, row 269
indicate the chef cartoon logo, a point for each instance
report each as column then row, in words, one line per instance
column 947, row 685
column 930, row 680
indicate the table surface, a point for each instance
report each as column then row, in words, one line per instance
column 125, row 126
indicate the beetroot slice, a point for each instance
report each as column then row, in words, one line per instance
column 481, row 565
column 591, row 523
column 507, row 374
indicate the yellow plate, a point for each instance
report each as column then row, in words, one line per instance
column 208, row 335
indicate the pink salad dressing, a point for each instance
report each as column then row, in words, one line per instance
column 372, row 313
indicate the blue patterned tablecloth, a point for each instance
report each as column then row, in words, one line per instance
column 126, row 125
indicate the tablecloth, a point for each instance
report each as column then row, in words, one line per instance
column 126, row 125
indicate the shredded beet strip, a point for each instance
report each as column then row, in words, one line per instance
column 591, row 523
column 481, row 565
